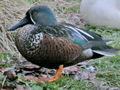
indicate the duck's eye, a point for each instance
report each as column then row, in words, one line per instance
column 34, row 13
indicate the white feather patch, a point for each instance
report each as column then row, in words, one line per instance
column 38, row 38
column 104, row 53
column 85, row 33
column 32, row 19
column 88, row 52
column 76, row 31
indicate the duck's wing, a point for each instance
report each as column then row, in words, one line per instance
column 91, row 41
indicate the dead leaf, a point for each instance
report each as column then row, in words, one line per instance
column 83, row 63
column 84, row 75
column 20, row 87
column 91, row 69
column 44, row 78
column 10, row 74
column 77, row 76
column 48, row 71
column 27, row 72
column 0, row 69
column 70, row 70
column 55, row 0
column 92, row 76
column 28, row 65
column 7, row 88
column 1, row 50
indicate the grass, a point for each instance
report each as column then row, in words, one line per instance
column 107, row 68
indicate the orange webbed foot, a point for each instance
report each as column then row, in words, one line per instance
column 58, row 74
column 45, row 78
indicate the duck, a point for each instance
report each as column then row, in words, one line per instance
column 47, row 43
column 101, row 13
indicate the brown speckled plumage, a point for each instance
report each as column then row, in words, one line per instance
column 50, row 52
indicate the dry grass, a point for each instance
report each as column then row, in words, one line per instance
column 10, row 13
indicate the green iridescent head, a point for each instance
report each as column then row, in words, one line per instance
column 37, row 15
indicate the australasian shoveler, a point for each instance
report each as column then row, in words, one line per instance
column 49, row 44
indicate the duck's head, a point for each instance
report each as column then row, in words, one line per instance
column 37, row 15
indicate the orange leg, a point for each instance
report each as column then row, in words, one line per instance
column 45, row 78
column 58, row 74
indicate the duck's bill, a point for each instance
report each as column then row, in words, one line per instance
column 23, row 22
